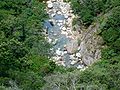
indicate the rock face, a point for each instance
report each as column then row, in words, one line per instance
column 90, row 45
column 72, row 46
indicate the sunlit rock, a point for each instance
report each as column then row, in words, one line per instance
column 80, row 66
column 66, row 16
column 63, row 28
column 59, row 12
column 50, row 5
column 78, row 54
column 72, row 57
column 73, row 62
column 49, row 40
column 88, row 60
column 58, row 52
column 72, row 46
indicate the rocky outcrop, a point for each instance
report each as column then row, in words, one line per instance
column 72, row 48
column 90, row 45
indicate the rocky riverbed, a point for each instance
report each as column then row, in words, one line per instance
column 70, row 48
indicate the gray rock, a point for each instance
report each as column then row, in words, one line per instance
column 72, row 46
column 83, row 49
column 88, row 60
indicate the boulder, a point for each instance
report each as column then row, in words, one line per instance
column 50, row 5
column 83, row 49
column 80, row 66
column 52, row 14
column 59, row 12
column 49, row 40
column 88, row 60
column 73, row 62
column 58, row 52
column 60, row 21
column 72, row 46
column 78, row 54
column 72, row 57
column 65, row 52
column 63, row 28
column 66, row 16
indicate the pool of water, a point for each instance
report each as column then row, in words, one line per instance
column 54, row 33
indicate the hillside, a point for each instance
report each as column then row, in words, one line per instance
column 60, row 45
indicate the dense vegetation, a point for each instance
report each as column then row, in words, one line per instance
column 105, row 73
column 24, row 52
column 88, row 10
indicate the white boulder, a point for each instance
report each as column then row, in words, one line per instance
column 78, row 55
column 80, row 66
column 73, row 62
column 63, row 28
column 72, row 57
column 50, row 5
column 59, row 12
column 58, row 52
column 66, row 16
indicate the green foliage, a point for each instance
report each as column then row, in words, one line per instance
column 89, row 9
column 23, row 48
column 11, row 55
column 108, row 53
column 104, row 74
column 27, row 80
column 111, row 29
column 24, row 52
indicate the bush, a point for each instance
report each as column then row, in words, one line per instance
column 89, row 9
column 111, row 30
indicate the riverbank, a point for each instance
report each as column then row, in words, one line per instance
column 72, row 46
